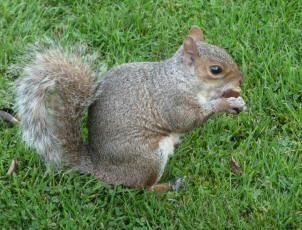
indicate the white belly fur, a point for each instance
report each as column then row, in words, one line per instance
column 166, row 148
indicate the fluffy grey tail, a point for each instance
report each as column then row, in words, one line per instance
column 52, row 95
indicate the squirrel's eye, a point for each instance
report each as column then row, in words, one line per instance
column 215, row 69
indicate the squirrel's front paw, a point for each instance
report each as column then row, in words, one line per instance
column 236, row 105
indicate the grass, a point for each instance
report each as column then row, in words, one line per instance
column 264, row 37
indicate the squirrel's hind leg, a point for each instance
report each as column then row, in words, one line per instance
column 138, row 173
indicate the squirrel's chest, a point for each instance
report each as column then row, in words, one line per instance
column 166, row 148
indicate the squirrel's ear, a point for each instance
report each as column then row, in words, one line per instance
column 190, row 51
column 196, row 33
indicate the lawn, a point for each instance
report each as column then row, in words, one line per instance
column 263, row 36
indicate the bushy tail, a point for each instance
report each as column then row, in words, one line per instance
column 52, row 95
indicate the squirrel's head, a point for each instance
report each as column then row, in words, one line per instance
column 212, row 65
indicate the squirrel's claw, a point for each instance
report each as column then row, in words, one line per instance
column 178, row 183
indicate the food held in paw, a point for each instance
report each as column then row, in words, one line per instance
column 231, row 93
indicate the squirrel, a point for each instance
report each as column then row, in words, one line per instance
column 137, row 112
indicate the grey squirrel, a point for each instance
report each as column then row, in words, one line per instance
column 136, row 113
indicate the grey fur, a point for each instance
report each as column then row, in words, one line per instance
column 133, row 110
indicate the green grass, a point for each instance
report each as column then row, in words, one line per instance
column 264, row 37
